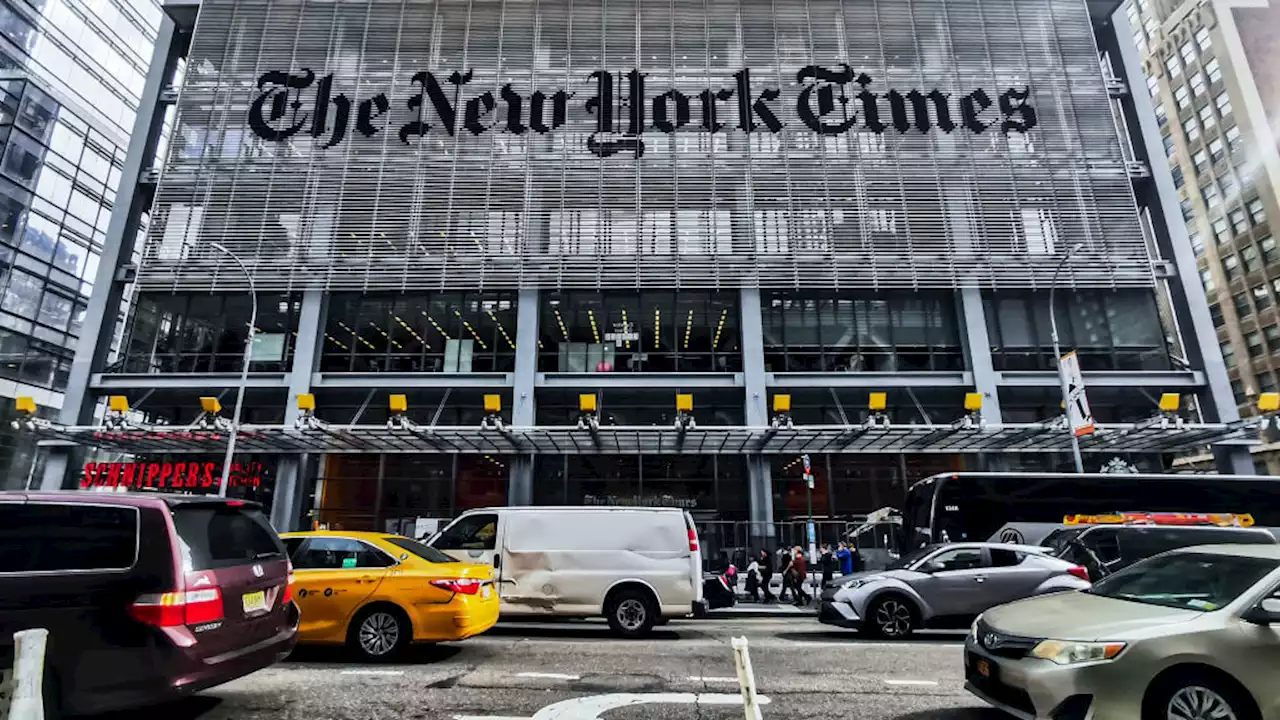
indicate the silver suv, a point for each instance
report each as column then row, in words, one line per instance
column 944, row 586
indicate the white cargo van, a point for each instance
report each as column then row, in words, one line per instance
column 638, row 567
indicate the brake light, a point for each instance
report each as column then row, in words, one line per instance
column 693, row 540
column 288, row 585
column 460, row 586
column 172, row 609
column 235, row 503
column 1080, row 572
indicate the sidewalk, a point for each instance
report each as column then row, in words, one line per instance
column 747, row 608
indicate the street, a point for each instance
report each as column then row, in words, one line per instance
column 804, row 669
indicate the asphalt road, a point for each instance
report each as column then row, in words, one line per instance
column 804, row 669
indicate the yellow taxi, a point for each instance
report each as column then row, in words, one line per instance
column 377, row 593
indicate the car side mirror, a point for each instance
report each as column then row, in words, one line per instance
column 1266, row 612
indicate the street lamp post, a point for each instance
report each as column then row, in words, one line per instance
column 1057, row 357
column 244, row 369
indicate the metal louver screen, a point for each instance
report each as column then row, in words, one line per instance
column 412, row 144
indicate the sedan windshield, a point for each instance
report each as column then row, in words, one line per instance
column 912, row 557
column 429, row 554
column 1192, row 581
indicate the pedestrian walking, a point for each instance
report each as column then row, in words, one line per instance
column 766, row 575
column 828, row 564
column 785, row 560
column 752, row 582
column 800, row 575
column 845, row 558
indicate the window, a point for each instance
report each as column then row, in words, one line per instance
column 1206, row 117
column 1257, row 212
column 1254, row 341
column 1162, row 115
column 215, row 536
column 1182, row 96
column 1215, row 314
column 472, row 532
column 1153, row 85
column 1266, row 383
column 1216, row 151
column 1197, row 84
column 1249, row 256
column 58, row 538
column 957, row 559
column 1228, row 354
column 1231, row 267
column 1178, row 179
column 1233, row 137
column 1275, row 286
column 1269, row 252
column 1191, row 128
column 338, row 553
column 1006, row 558
column 425, row 552
column 1188, row 211
column 1173, row 66
column 1238, row 222
column 1210, row 195
column 1201, row 160
column 1272, row 334
column 1206, row 279
column 1227, row 184
column 1169, row 148
column 1243, row 308
column 1188, row 52
column 1202, row 39
column 1223, row 103
column 1237, row 386
column 1215, row 72
column 1261, row 298
column 1197, row 243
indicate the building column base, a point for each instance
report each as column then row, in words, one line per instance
column 762, row 533
column 520, row 481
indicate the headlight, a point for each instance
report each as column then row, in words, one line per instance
column 973, row 629
column 855, row 584
column 1067, row 652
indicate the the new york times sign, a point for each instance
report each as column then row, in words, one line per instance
column 829, row 100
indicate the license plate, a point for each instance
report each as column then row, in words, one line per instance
column 255, row 602
column 983, row 667
column 486, row 592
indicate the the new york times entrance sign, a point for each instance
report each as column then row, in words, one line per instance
column 828, row 100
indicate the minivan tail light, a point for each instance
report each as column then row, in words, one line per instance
column 172, row 609
column 693, row 540
column 288, row 585
column 1080, row 572
column 460, row 586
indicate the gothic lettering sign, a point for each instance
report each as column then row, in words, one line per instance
column 169, row 475
column 409, row 146
column 825, row 102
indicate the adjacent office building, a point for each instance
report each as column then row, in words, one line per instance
column 70, row 78
column 627, row 252
column 1211, row 70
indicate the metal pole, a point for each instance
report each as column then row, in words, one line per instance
column 244, row 370
column 1057, row 358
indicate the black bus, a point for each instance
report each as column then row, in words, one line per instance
column 953, row 507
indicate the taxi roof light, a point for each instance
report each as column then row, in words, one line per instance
column 1162, row 518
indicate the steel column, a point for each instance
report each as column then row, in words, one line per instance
column 978, row 353
column 760, row 484
column 523, row 403
column 132, row 200
column 1160, row 198
column 292, row 469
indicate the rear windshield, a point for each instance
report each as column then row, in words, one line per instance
column 218, row 536
column 429, row 554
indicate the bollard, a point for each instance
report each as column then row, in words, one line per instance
column 746, row 678
column 27, row 701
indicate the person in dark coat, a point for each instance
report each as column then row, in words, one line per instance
column 828, row 563
column 785, row 560
column 766, row 574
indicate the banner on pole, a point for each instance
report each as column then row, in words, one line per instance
column 1078, row 412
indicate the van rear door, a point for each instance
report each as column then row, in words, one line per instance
column 229, row 554
column 695, row 558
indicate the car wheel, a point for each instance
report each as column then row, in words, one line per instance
column 1198, row 696
column 631, row 614
column 891, row 617
column 380, row 633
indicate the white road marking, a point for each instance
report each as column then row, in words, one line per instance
column 919, row 683
column 372, row 672
column 854, row 645
column 592, row 707
column 704, row 678
column 489, row 717
column 548, row 676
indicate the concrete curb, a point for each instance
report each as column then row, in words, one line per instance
column 753, row 610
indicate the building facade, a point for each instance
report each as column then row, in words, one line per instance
column 70, row 74
column 1211, row 71
column 627, row 252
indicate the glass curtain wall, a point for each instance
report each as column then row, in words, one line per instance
column 201, row 332
column 808, row 332
column 646, row 331
column 709, row 486
column 1119, row 330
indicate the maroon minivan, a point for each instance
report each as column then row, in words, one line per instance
column 146, row 596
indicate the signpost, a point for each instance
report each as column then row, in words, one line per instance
column 1078, row 412
column 813, row 536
